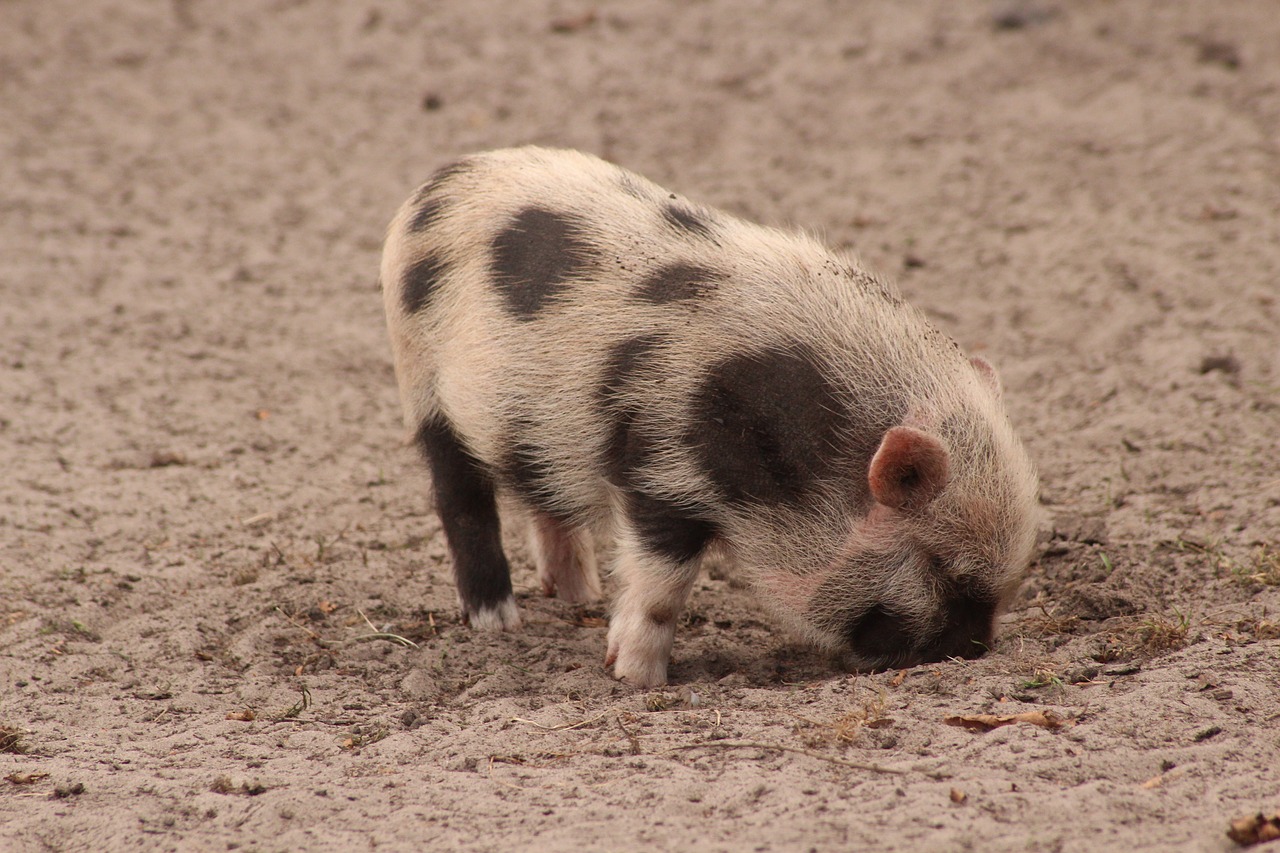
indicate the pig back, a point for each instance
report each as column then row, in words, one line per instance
column 592, row 336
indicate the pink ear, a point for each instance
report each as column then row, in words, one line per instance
column 909, row 470
column 988, row 374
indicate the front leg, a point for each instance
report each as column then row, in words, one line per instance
column 643, row 626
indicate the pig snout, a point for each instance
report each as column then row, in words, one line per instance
column 882, row 638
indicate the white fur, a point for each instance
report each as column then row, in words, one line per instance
column 504, row 617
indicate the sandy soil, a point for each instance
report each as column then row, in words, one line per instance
column 209, row 523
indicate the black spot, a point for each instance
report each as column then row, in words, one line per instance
column 669, row 529
column 466, row 503
column 679, row 281
column 627, row 447
column 420, row 281
column 769, row 427
column 675, row 530
column 625, row 360
column 427, row 210
column 527, row 470
column 427, row 202
column 536, row 255
column 687, row 220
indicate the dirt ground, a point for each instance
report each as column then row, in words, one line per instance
column 212, row 537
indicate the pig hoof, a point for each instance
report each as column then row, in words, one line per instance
column 640, row 673
column 504, row 616
column 636, row 670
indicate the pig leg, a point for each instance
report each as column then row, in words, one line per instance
column 643, row 625
column 467, row 505
column 566, row 560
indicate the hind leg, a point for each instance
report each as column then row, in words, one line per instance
column 467, row 505
column 566, row 559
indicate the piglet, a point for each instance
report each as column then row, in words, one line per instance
column 622, row 365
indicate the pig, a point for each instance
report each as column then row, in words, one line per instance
column 619, row 364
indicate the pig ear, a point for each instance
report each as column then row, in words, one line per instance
column 988, row 374
column 909, row 470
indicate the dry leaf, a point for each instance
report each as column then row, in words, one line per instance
column 958, row 796
column 899, row 678
column 987, row 722
column 326, row 606
column 25, row 778
column 1259, row 829
column 574, row 23
column 1157, row 781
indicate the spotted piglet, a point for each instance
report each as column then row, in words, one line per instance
column 627, row 366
